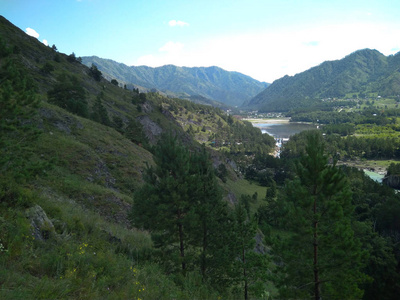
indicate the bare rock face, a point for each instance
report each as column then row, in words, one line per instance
column 147, row 108
column 150, row 128
column 42, row 227
column 260, row 248
column 392, row 181
column 231, row 198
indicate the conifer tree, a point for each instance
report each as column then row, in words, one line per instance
column 208, row 217
column 249, row 269
column 271, row 191
column 99, row 113
column 69, row 94
column 95, row 72
column 162, row 204
column 321, row 257
column 18, row 105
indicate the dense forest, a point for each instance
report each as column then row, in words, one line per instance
column 110, row 193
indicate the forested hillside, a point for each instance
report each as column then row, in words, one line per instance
column 361, row 73
column 74, row 150
column 230, row 88
column 112, row 193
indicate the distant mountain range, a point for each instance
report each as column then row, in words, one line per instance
column 230, row 88
column 362, row 72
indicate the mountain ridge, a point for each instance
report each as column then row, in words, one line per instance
column 363, row 71
column 74, row 149
column 228, row 87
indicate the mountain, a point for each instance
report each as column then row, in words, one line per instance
column 230, row 88
column 73, row 150
column 362, row 72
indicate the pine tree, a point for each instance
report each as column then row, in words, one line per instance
column 95, row 72
column 135, row 133
column 99, row 113
column 249, row 269
column 162, row 204
column 69, row 94
column 320, row 257
column 209, row 216
column 271, row 191
column 18, row 106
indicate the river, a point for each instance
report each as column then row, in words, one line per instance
column 281, row 128
column 378, row 177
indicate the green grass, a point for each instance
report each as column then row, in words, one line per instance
column 90, row 174
column 245, row 187
column 86, row 257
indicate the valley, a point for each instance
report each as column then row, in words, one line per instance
column 125, row 182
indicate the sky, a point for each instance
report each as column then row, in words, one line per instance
column 263, row 39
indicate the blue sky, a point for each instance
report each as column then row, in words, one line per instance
column 263, row 39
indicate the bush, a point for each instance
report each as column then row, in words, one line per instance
column 47, row 68
column 69, row 94
column 95, row 73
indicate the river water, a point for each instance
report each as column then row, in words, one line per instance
column 282, row 130
column 374, row 175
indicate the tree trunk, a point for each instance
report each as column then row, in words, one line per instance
column 244, row 273
column 203, row 254
column 181, row 246
column 317, row 291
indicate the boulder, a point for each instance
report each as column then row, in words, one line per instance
column 41, row 226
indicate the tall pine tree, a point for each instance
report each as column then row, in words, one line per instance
column 320, row 257
column 249, row 269
column 163, row 203
column 209, row 219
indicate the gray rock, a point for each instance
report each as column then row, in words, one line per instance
column 147, row 108
column 42, row 227
column 393, row 181
column 150, row 128
column 260, row 247
column 231, row 198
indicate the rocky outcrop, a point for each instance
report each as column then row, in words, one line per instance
column 41, row 226
column 231, row 198
column 392, row 181
column 260, row 248
column 150, row 128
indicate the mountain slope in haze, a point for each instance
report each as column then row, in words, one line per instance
column 364, row 71
column 231, row 88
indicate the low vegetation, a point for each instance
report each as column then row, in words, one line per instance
column 111, row 193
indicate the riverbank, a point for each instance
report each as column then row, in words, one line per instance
column 268, row 121
column 370, row 165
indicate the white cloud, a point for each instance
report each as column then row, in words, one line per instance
column 31, row 32
column 267, row 55
column 174, row 23
column 45, row 42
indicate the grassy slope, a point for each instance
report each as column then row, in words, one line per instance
column 90, row 249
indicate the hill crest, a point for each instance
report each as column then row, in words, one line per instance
column 361, row 72
column 230, row 88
